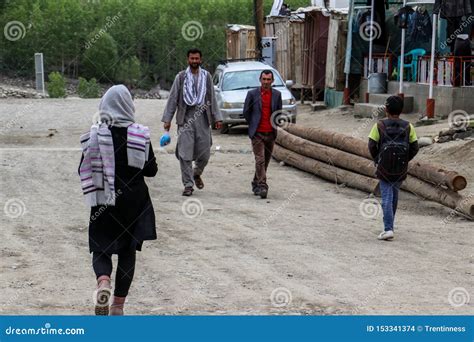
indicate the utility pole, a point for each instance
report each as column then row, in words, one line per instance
column 259, row 27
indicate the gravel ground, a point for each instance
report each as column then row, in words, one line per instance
column 307, row 249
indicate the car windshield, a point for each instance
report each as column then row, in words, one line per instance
column 246, row 79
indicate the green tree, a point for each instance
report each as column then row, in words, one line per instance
column 129, row 71
column 150, row 30
column 100, row 57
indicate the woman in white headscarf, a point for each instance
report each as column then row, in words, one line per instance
column 117, row 155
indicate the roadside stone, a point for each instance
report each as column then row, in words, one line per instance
column 463, row 135
column 446, row 132
column 444, row 139
column 425, row 141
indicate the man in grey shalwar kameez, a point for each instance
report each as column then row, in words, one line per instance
column 193, row 99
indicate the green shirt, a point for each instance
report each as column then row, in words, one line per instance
column 375, row 134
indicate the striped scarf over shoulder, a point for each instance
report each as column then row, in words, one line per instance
column 194, row 94
column 138, row 145
column 97, row 170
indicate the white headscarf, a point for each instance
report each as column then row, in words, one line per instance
column 116, row 107
column 97, row 169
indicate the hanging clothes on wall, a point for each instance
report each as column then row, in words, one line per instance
column 359, row 46
column 452, row 8
column 378, row 29
column 462, row 48
column 454, row 25
column 420, row 27
column 356, row 20
column 456, row 13
column 403, row 17
column 379, row 17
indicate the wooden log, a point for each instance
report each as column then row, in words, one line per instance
column 323, row 170
column 449, row 198
column 437, row 175
column 326, row 154
column 428, row 172
column 340, row 159
column 337, row 140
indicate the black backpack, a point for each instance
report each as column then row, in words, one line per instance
column 394, row 146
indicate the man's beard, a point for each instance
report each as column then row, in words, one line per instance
column 194, row 65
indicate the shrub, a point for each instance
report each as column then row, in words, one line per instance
column 88, row 90
column 56, row 85
column 129, row 72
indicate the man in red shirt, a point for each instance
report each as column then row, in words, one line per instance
column 261, row 105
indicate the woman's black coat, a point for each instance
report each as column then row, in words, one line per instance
column 115, row 229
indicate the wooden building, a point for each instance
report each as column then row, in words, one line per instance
column 310, row 49
column 241, row 42
column 315, row 49
column 289, row 46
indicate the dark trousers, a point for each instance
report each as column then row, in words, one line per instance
column 102, row 264
column 262, row 145
column 462, row 47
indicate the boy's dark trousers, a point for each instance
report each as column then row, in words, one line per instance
column 262, row 145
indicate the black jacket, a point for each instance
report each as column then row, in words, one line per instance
column 453, row 8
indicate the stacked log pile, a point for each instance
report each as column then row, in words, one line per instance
column 345, row 159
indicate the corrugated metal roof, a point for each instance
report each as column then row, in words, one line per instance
column 238, row 27
column 322, row 9
column 245, row 65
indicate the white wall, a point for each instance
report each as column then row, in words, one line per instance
column 332, row 3
column 339, row 3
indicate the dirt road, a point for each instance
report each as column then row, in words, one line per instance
column 307, row 249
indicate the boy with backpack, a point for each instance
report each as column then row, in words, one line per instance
column 392, row 144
